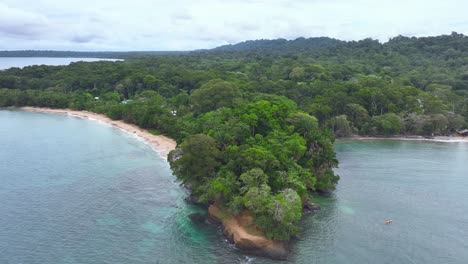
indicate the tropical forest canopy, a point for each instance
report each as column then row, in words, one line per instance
column 256, row 121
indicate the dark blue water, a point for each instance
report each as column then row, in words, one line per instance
column 77, row 191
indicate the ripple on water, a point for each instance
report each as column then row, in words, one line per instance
column 105, row 197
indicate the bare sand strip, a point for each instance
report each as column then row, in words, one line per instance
column 453, row 139
column 161, row 144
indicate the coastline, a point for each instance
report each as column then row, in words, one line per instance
column 235, row 227
column 452, row 139
column 161, row 144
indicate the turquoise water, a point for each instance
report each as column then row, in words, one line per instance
column 78, row 191
column 20, row 62
column 421, row 186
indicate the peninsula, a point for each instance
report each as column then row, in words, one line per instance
column 255, row 123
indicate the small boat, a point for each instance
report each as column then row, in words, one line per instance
column 388, row 221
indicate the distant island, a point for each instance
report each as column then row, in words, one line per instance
column 256, row 122
column 82, row 54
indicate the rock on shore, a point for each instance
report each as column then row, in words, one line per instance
column 247, row 237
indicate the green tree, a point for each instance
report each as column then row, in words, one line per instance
column 196, row 161
column 303, row 123
column 213, row 95
column 389, row 124
column 341, row 126
column 357, row 114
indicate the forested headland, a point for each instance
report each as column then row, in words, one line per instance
column 256, row 121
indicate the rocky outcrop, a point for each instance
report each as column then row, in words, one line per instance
column 241, row 231
column 191, row 199
column 308, row 207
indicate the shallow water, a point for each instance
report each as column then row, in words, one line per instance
column 20, row 62
column 79, row 191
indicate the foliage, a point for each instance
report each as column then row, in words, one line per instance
column 213, row 95
column 256, row 121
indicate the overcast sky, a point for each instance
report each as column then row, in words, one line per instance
column 186, row 25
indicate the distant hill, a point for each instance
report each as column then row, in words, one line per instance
column 322, row 47
column 264, row 45
column 443, row 46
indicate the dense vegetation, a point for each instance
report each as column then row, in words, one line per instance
column 255, row 121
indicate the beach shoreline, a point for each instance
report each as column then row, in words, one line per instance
column 161, row 144
column 452, row 139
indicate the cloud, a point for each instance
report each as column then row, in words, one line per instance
column 184, row 15
column 186, row 24
column 18, row 23
column 84, row 38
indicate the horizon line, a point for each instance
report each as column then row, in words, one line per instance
column 240, row 42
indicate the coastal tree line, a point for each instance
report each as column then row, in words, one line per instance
column 405, row 86
column 256, row 121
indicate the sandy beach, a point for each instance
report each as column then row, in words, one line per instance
column 161, row 144
column 452, row 139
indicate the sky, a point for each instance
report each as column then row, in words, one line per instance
column 124, row 25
